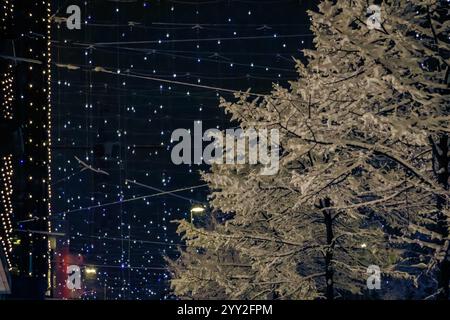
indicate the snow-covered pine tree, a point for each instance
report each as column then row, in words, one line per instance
column 356, row 158
column 274, row 247
column 395, row 79
column 210, row 274
column 211, row 270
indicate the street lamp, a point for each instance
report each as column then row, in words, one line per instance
column 90, row 271
column 197, row 209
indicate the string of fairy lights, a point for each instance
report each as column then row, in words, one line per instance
column 7, row 76
column 48, row 144
column 8, row 10
column 26, row 112
column 6, row 212
column 7, row 83
column 6, row 169
column 118, row 89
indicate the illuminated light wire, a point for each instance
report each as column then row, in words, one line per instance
column 131, row 75
column 34, row 61
column 197, row 75
column 227, row 62
column 130, row 199
column 126, row 267
column 104, row 70
column 159, row 190
column 150, row 51
column 180, row 83
column 120, row 266
column 207, row 59
column 130, row 240
column 49, row 138
column 194, row 40
column 184, row 26
column 53, row 234
column 145, row 92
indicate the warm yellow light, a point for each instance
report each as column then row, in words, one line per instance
column 90, row 270
column 198, row 209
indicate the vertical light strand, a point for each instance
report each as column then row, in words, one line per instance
column 49, row 142
column 8, row 75
column 8, row 9
column 6, row 212
column 6, row 169
column 7, row 83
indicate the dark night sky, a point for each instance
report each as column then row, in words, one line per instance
column 123, row 125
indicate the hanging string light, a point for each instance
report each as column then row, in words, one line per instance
column 7, row 83
column 135, row 97
column 6, row 212
column 49, row 139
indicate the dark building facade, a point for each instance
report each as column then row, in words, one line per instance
column 25, row 125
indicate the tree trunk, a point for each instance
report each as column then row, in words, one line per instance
column 329, row 272
column 441, row 171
